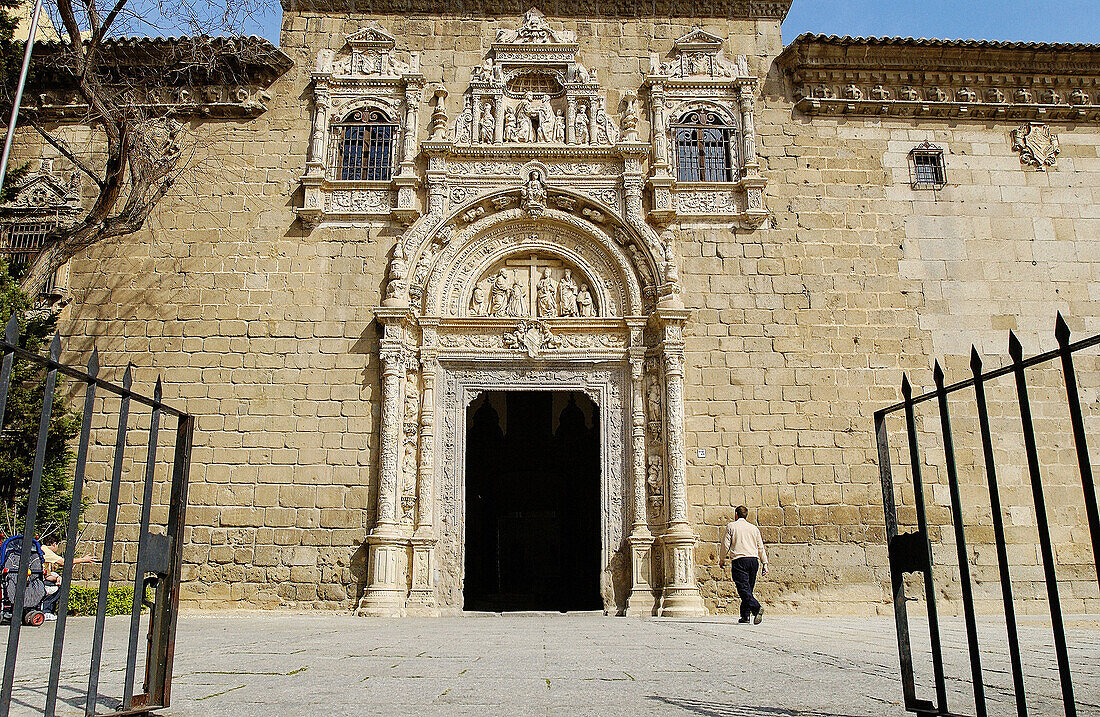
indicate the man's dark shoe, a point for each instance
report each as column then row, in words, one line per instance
column 759, row 616
column 743, row 621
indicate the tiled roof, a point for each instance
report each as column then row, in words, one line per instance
column 934, row 42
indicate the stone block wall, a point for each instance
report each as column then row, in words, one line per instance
column 799, row 331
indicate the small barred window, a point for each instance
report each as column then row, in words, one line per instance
column 927, row 169
column 20, row 242
column 704, row 148
column 363, row 147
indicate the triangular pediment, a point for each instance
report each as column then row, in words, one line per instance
column 698, row 40
column 371, row 37
column 535, row 30
column 41, row 191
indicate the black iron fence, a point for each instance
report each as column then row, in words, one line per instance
column 911, row 552
column 154, row 569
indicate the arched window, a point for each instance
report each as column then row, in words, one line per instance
column 704, row 148
column 363, row 146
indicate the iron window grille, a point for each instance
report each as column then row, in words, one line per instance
column 927, row 168
column 363, row 147
column 704, row 148
column 20, row 242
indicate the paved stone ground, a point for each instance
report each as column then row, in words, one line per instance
column 230, row 664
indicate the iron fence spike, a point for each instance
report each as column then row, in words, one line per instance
column 1015, row 350
column 975, row 359
column 11, row 332
column 1061, row 330
column 937, row 374
column 93, row 363
column 906, row 389
column 55, row 347
column 128, row 377
column 158, row 390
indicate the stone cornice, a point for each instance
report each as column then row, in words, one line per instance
column 739, row 9
column 943, row 78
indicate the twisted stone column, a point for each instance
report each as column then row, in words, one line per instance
column 422, row 595
column 641, row 600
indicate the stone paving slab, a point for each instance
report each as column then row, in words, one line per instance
column 234, row 664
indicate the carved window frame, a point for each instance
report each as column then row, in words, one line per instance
column 377, row 119
column 365, row 76
column 729, row 137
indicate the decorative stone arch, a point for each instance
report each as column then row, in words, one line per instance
column 437, row 353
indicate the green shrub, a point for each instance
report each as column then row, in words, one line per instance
column 84, row 599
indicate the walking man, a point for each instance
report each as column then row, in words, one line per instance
column 745, row 548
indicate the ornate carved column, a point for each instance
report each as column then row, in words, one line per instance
column 641, row 600
column 593, row 135
column 316, row 164
column 748, row 129
column 406, row 179
column 498, row 118
column 387, row 556
column 475, row 120
column 422, row 595
column 681, row 596
column 570, row 119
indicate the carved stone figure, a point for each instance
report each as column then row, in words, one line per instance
column 511, row 130
column 498, row 295
column 398, row 265
column 580, row 131
column 579, row 73
column 484, row 73
column 547, row 302
column 585, row 303
column 567, row 289
column 477, row 301
column 517, row 300
column 488, row 124
column 559, row 128
column 630, row 118
column 546, row 120
column 534, row 192
column 423, row 268
column 525, row 130
column 607, row 132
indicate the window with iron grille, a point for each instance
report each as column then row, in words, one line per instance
column 927, row 169
column 363, row 146
column 20, row 242
column 704, row 148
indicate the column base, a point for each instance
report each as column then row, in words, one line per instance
column 642, row 601
column 421, row 602
column 387, row 558
column 681, row 596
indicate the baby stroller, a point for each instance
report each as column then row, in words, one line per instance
column 35, row 592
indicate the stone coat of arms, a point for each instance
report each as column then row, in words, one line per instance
column 1036, row 144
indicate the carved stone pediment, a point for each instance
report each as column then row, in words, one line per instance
column 699, row 54
column 535, row 30
column 46, row 192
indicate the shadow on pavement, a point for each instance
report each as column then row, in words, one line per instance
column 715, row 709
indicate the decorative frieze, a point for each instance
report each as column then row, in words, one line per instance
column 942, row 79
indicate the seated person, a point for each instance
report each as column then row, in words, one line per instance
column 53, row 563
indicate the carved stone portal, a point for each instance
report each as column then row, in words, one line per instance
column 533, row 269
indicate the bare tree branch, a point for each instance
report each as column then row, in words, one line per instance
column 66, row 151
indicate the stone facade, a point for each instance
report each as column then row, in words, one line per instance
column 737, row 335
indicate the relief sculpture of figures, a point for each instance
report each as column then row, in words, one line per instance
column 568, row 292
column 488, row 124
column 462, row 124
column 525, row 131
column 517, row 301
column 477, row 301
column 547, row 303
column 584, row 301
column 546, row 120
column 498, row 296
column 607, row 132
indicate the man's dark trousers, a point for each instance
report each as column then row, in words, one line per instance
column 744, row 577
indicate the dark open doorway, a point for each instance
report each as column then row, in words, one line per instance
column 532, row 502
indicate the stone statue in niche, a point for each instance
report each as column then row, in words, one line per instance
column 630, row 118
column 534, row 193
column 580, row 131
column 488, row 124
column 584, row 302
column 547, row 302
column 559, row 127
column 498, row 295
column 568, row 292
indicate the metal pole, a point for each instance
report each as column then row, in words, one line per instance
column 19, row 92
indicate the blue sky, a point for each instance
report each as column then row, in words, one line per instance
column 1019, row 20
